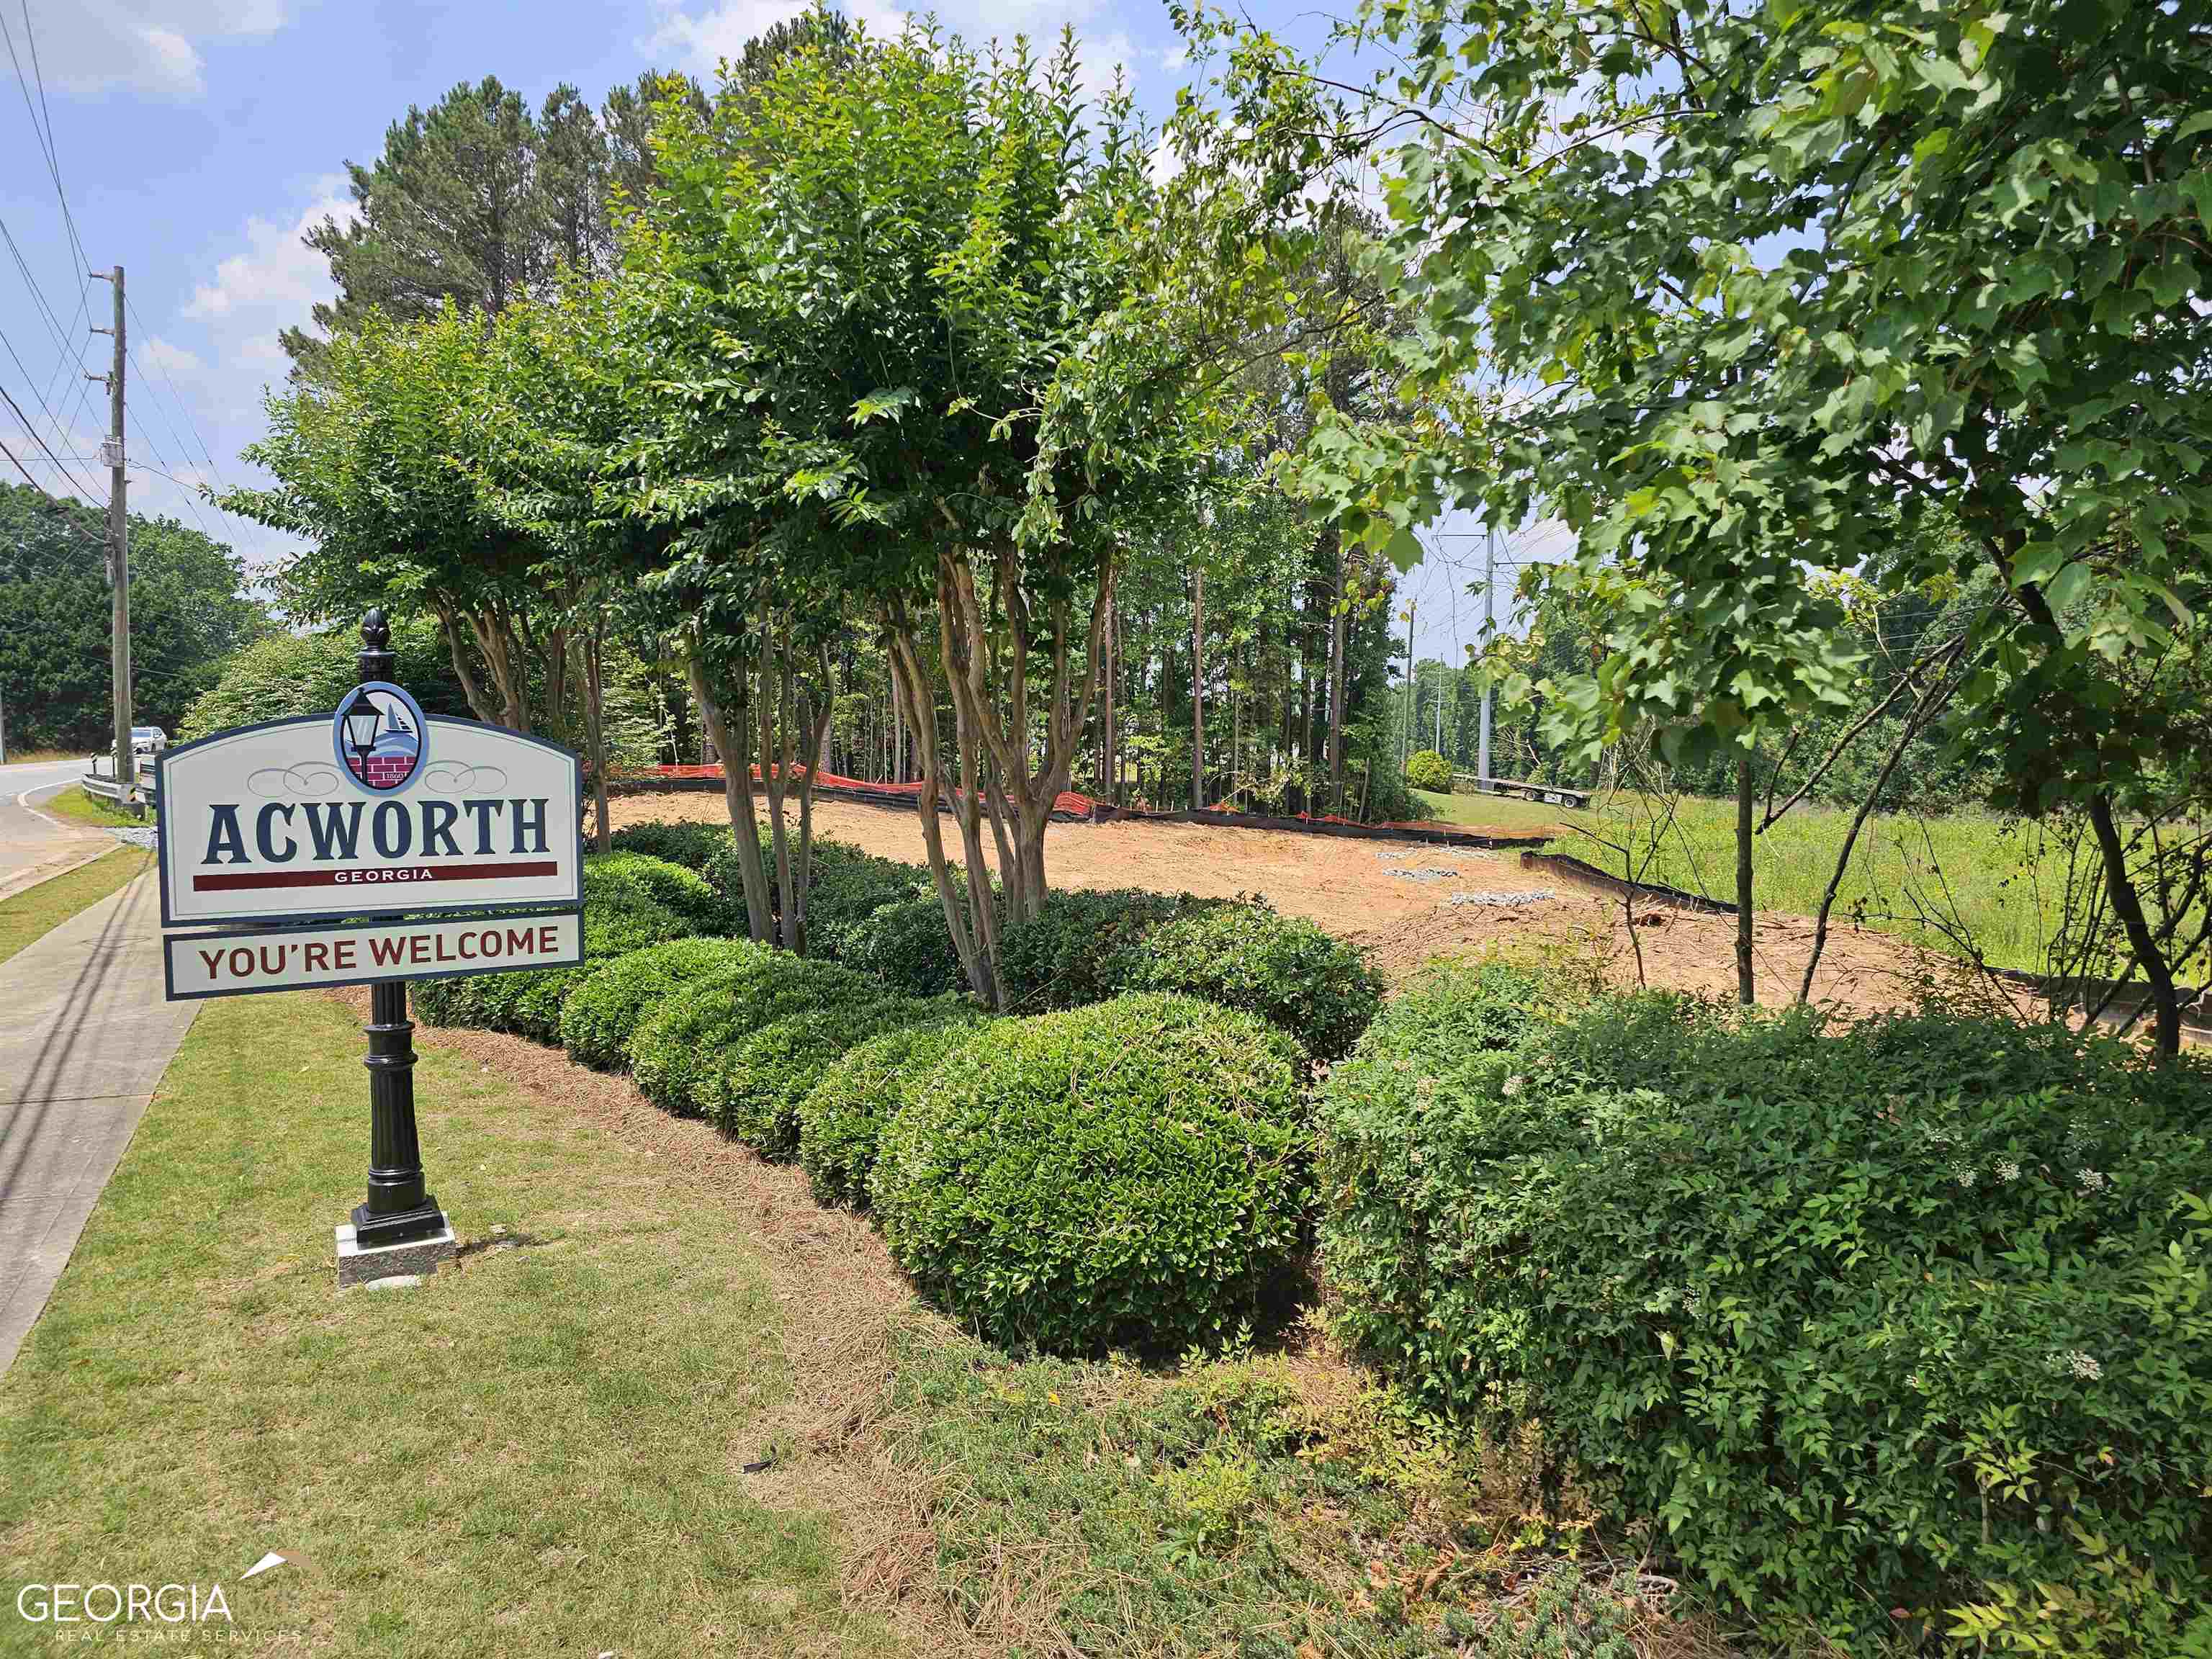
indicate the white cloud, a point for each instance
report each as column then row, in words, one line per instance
column 202, row 375
column 276, row 277
column 698, row 42
column 1097, row 58
column 151, row 47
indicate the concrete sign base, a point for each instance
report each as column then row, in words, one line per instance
column 417, row 1258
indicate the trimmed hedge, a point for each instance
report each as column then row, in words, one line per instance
column 843, row 1115
column 906, row 946
column 1081, row 945
column 683, row 1039
column 620, row 915
column 1916, row 1315
column 1427, row 769
column 600, row 1014
column 1283, row 969
column 848, row 886
column 753, row 1086
column 1129, row 1173
column 669, row 885
column 691, row 845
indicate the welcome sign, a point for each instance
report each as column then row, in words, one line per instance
column 371, row 845
column 372, row 809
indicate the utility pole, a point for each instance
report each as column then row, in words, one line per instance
column 1488, row 622
column 119, row 561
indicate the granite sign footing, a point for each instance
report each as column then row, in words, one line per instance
column 413, row 1260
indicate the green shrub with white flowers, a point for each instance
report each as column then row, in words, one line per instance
column 1913, row 1315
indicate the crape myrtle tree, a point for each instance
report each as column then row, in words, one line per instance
column 372, row 461
column 933, row 336
column 734, row 570
column 1763, row 289
column 548, row 418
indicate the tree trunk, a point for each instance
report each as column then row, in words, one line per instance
column 1109, row 761
column 479, row 705
column 1338, row 625
column 595, row 725
column 738, row 796
column 2127, row 905
column 1745, row 988
column 1197, row 690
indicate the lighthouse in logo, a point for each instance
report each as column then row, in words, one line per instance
column 378, row 732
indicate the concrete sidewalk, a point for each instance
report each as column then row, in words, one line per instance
column 84, row 1038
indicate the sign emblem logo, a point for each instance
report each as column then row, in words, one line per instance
column 379, row 736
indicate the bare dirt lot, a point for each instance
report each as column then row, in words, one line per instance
column 1405, row 904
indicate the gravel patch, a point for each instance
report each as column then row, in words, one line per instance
column 1508, row 900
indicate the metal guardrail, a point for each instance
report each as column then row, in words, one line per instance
column 102, row 785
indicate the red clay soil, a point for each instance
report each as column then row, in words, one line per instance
column 1386, row 899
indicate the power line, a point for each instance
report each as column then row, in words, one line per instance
column 53, row 421
column 176, row 398
column 46, row 134
column 38, row 295
column 41, row 442
column 43, row 130
column 25, row 471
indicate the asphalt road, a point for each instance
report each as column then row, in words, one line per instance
column 34, row 845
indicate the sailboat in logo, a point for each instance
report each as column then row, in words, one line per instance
column 378, row 732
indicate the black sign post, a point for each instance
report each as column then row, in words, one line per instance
column 398, row 1210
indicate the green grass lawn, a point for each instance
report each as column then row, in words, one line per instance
column 539, row 1451
column 1492, row 812
column 1999, row 881
column 78, row 807
column 37, row 910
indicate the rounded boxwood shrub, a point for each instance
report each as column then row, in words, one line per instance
column 600, row 1014
column 620, row 916
column 690, row 844
column 1081, row 945
column 844, row 1113
column 1916, row 1315
column 906, row 946
column 1427, row 769
column 848, row 886
column 669, row 885
column 752, row 1088
column 683, row 1037
column 1283, row 969
column 1129, row 1173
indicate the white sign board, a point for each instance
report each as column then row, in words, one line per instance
column 236, row 963
column 370, row 811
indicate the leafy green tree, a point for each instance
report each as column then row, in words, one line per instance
column 281, row 675
column 1760, row 285
column 371, row 463
column 189, row 608
column 916, row 307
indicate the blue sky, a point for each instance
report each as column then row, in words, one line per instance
column 198, row 139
